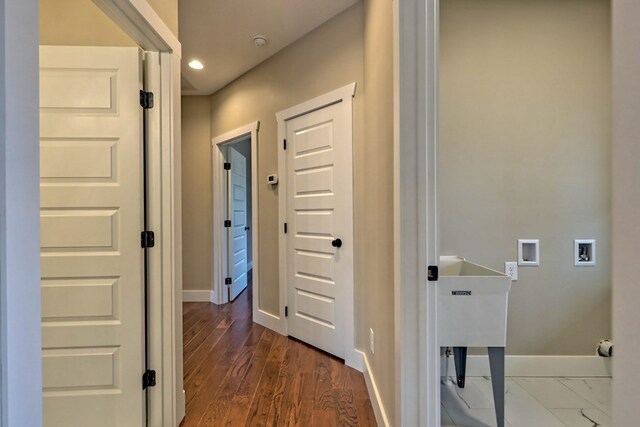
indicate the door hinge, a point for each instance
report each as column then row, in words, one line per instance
column 285, row 144
column 228, row 281
column 285, row 228
column 227, row 166
column 146, row 100
column 432, row 273
column 286, row 311
column 147, row 239
column 227, row 223
column 148, row 379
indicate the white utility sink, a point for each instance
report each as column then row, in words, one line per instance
column 472, row 304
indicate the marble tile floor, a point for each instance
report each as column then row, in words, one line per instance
column 530, row 402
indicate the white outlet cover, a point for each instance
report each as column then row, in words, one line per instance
column 372, row 341
column 511, row 269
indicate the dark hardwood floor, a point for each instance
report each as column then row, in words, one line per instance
column 238, row 373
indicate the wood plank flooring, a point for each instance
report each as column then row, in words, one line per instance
column 238, row 373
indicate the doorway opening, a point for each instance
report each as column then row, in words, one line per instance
column 235, row 213
column 316, row 210
column 524, row 146
column 107, row 214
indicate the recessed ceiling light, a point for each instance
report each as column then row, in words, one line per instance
column 196, row 65
column 260, row 41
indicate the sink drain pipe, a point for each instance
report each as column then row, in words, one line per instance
column 605, row 348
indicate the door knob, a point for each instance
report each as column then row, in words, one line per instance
column 246, row 228
column 337, row 243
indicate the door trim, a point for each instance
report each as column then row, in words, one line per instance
column 345, row 96
column 416, row 40
column 220, row 255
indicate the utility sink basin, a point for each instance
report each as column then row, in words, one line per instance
column 472, row 304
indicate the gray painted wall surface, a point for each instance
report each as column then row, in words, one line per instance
column 526, row 153
column 196, row 194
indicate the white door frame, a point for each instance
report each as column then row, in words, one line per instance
column 220, row 253
column 345, row 96
column 415, row 216
column 138, row 19
column 21, row 379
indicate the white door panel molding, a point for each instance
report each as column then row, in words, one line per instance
column 316, row 204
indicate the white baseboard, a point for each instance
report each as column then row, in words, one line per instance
column 355, row 359
column 374, row 394
column 269, row 321
column 197, row 296
column 539, row 366
column 181, row 410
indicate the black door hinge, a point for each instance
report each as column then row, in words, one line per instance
column 285, row 228
column 227, row 166
column 285, row 144
column 228, row 281
column 286, row 311
column 148, row 379
column 147, row 239
column 432, row 273
column 146, row 99
column 227, row 223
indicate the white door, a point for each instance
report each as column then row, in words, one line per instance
column 237, row 199
column 319, row 235
column 91, row 219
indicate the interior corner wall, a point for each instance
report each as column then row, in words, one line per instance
column 374, row 261
column 626, row 211
column 525, row 153
column 197, row 190
column 325, row 59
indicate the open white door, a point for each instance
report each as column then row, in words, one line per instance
column 237, row 199
column 91, row 219
column 319, row 227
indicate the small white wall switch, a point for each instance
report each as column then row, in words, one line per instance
column 529, row 252
column 272, row 179
column 511, row 270
column 584, row 252
column 372, row 342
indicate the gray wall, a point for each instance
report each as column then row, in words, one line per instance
column 197, row 197
column 525, row 153
column 374, row 203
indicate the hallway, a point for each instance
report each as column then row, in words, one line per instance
column 239, row 373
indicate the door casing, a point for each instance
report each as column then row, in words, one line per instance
column 344, row 95
column 166, row 401
column 219, row 183
column 415, row 99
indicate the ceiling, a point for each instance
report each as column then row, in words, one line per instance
column 220, row 34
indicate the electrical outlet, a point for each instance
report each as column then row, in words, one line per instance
column 372, row 341
column 511, row 270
